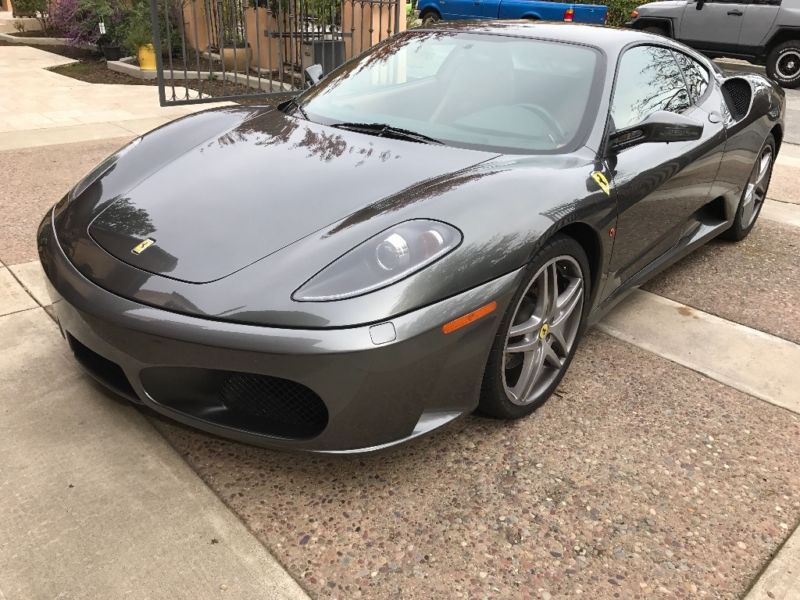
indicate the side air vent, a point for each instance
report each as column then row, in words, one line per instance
column 737, row 93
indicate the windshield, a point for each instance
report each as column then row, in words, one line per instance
column 472, row 90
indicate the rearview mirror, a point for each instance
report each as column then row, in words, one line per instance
column 699, row 5
column 661, row 126
column 314, row 75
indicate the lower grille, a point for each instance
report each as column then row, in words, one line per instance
column 279, row 400
column 247, row 401
column 105, row 371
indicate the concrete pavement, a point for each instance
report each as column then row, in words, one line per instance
column 95, row 503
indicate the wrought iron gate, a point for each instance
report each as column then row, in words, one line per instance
column 212, row 50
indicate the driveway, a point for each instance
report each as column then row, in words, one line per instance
column 666, row 465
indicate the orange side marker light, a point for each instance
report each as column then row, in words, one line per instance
column 468, row 318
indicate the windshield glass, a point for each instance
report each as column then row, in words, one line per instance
column 472, row 90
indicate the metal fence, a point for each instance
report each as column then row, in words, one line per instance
column 212, row 50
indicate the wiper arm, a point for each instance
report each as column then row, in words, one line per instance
column 293, row 102
column 384, row 130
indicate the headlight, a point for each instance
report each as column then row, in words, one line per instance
column 382, row 260
column 100, row 169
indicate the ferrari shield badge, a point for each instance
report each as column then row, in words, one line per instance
column 143, row 245
column 601, row 181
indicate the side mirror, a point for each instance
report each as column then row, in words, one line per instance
column 699, row 5
column 661, row 126
column 314, row 75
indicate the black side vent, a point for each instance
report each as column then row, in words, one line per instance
column 737, row 93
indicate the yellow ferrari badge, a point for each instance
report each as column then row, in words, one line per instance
column 601, row 180
column 143, row 245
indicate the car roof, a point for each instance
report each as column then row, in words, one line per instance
column 609, row 39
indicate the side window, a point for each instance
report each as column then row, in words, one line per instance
column 696, row 76
column 648, row 80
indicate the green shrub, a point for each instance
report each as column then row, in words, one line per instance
column 34, row 8
column 619, row 11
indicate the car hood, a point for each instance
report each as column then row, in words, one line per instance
column 256, row 188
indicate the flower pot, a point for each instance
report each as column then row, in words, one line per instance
column 147, row 57
column 111, row 52
column 238, row 60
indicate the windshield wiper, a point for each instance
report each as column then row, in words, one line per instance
column 298, row 107
column 384, row 130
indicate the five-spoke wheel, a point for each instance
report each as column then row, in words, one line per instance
column 539, row 333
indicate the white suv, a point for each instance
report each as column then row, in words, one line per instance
column 761, row 31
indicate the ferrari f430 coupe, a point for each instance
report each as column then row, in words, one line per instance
column 425, row 232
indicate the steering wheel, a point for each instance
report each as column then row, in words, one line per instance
column 549, row 121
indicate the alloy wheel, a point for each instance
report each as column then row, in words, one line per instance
column 543, row 330
column 788, row 65
column 756, row 190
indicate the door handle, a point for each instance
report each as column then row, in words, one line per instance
column 735, row 13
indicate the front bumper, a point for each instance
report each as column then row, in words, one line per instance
column 376, row 393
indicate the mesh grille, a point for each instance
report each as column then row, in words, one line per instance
column 737, row 95
column 280, row 401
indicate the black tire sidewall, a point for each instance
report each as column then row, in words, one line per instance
column 772, row 63
column 493, row 401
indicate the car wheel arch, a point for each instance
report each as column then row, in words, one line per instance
column 777, row 133
column 589, row 240
column 429, row 11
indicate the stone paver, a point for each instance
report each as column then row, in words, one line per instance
column 95, row 504
column 781, row 580
column 33, row 279
column 782, row 212
column 34, row 98
column 12, row 297
column 747, row 359
column 637, row 475
column 754, row 282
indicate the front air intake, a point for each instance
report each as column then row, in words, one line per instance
column 249, row 402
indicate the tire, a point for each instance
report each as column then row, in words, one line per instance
column 430, row 17
column 504, row 394
column 783, row 64
column 757, row 185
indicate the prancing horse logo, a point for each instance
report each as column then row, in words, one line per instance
column 143, row 245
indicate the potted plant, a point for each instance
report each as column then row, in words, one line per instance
column 139, row 37
column 110, row 47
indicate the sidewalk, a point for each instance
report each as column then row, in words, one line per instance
column 39, row 107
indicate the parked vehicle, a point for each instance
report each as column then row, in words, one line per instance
column 425, row 232
column 431, row 11
column 765, row 32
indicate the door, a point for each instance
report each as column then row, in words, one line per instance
column 460, row 9
column 659, row 187
column 757, row 23
column 713, row 23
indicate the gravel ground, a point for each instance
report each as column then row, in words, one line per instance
column 639, row 479
column 755, row 282
column 35, row 179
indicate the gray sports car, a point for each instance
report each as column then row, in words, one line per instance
column 425, row 232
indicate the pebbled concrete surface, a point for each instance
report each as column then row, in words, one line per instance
column 754, row 282
column 33, row 180
column 639, row 479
